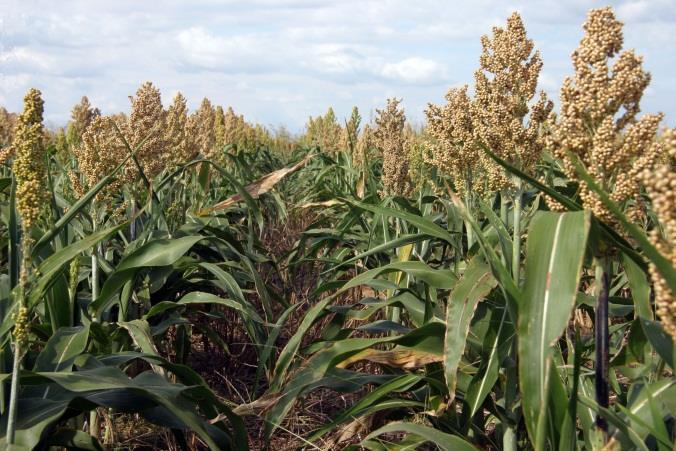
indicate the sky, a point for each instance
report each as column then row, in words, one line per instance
column 280, row 61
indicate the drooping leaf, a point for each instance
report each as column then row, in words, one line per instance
column 555, row 252
column 475, row 284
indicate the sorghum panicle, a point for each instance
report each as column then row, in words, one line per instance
column 660, row 184
column 29, row 163
column 364, row 143
column 145, row 131
column 597, row 122
column 100, row 151
column 452, row 145
column 181, row 146
column 7, row 126
column 201, row 128
column 351, row 130
column 503, row 115
column 389, row 139
column 81, row 116
column 325, row 132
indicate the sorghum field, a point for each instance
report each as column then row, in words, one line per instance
column 501, row 278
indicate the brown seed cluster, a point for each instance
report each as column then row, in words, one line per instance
column 180, row 145
column 361, row 150
column 351, row 131
column 660, row 185
column 324, row 132
column 503, row 114
column 416, row 154
column 233, row 129
column 145, row 131
column 201, row 128
column 100, row 151
column 452, row 145
column 29, row 162
column 390, row 141
column 598, row 121
column 7, row 126
column 81, row 116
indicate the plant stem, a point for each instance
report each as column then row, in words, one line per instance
column 468, row 227
column 516, row 241
column 18, row 348
column 93, row 430
column 509, row 439
column 601, row 339
column 14, row 394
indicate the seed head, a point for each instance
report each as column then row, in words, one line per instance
column 20, row 332
column 100, row 151
column 219, row 127
column 324, row 132
column 81, row 116
column 29, row 163
column 390, row 141
column 660, row 184
column 364, row 143
column 598, row 121
column 145, row 128
column 504, row 116
column 7, row 126
column 452, row 145
column 181, row 146
column 201, row 128
column 351, row 131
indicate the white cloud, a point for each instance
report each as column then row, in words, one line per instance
column 280, row 60
column 415, row 70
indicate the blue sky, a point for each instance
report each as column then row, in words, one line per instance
column 279, row 61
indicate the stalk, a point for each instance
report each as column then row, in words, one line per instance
column 601, row 338
column 503, row 208
column 468, row 227
column 516, row 241
column 95, row 294
column 20, row 337
column 13, row 394
column 395, row 312
column 509, row 439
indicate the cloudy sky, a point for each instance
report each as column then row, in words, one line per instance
column 279, row 61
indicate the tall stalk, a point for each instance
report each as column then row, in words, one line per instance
column 20, row 338
column 509, row 439
column 93, row 430
column 516, row 240
column 468, row 226
column 602, row 277
column 13, row 394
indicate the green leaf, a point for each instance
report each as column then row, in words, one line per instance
column 62, row 349
column 160, row 252
column 56, row 262
column 74, row 209
column 51, row 267
column 424, row 225
column 660, row 340
column 555, row 252
column 199, row 297
column 435, row 278
column 496, row 346
column 446, row 442
column 640, row 288
column 475, row 284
